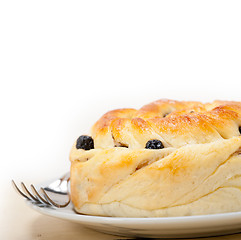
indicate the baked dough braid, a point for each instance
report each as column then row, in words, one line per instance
column 197, row 172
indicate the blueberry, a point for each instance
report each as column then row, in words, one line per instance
column 85, row 142
column 239, row 129
column 154, row 144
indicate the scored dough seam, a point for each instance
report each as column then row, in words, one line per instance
column 179, row 205
column 206, row 179
column 136, row 170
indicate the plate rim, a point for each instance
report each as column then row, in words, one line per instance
column 182, row 226
column 220, row 217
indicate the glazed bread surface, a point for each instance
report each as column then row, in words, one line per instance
column 197, row 170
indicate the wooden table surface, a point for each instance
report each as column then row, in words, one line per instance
column 18, row 221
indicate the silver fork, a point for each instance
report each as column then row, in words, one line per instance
column 57, row 188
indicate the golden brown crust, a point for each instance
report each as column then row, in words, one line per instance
column 199, row 168
column 188, row 122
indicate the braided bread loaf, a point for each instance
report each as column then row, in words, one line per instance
column 197, row 169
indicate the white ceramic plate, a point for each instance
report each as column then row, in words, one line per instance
column 171, row 227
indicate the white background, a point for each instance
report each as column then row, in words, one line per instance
column 65, row 63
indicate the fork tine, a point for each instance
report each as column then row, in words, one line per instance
column 27, row 192
column 52, row 202
column 19, row 191
column 38, row 195
column 43, row 198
